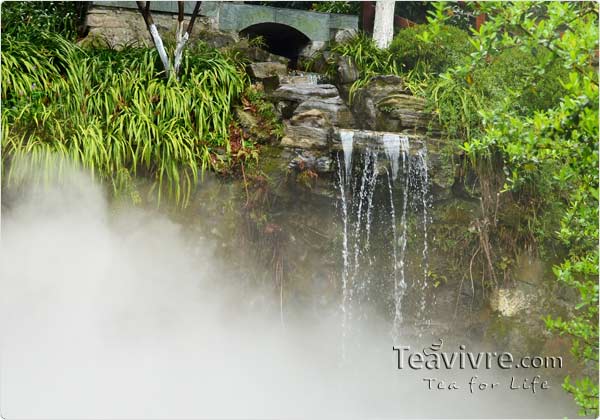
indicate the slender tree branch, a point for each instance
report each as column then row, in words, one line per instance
column 195, row 13
column 182, row 40
column 144, row 8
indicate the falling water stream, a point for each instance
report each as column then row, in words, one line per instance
column 425, row 199
column 357, row 189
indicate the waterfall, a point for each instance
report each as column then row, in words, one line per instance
column 356, row 204
column 424, row 190
column 399, row 275
column 362, row 224
column 397, row 265
column 391, row 145
column 345, row 256
column 374, row 220
column 347, row 138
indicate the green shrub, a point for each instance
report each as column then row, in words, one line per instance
column 512, row 73
column 530, row 90
column 509, row 77
column 110, row 113
column 343, row 7
column 19, row 18
column 369, row 59
column 414, row 48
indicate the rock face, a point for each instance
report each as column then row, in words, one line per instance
column 303, row 91
column 347, row 70
column 257, row 54
column 310, row 112
column 508, row 302
column 307, row 130
column 289, row 96
column 314, row 114
column 266, row 70
column 336, row 110
column 267, row 73
column 385, row 104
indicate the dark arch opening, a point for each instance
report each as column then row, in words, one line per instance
column 279, row 39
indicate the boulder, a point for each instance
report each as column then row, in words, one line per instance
column 311, row 118
column 347, row 71
column 385, row 104
column 299, row 77
column 265, row 70
column 305, row 137
column 301, row 92
column 218, row 39
column 288, row 97
column 345, row 35
column 334, row 108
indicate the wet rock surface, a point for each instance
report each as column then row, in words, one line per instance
column 300, row 92
column 267, row 69
column 385, row 104
column 334, row 108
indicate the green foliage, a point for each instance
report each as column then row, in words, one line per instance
column 20, row 18
column 370, row 60
column 342, row 7
column 108, row 111
column 269, row 125
column 529, row 94
column 416, row 48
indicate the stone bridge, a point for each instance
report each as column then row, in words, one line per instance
column 286, row 31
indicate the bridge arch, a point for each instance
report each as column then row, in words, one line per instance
column 280, row 39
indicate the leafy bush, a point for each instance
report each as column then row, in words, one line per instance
column 24, row 17
column 528, row 95
column 343, row 7
column 369, row 59
column 512, row 73
column 108, row 112
column 415, row 48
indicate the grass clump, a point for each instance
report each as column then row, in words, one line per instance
column 112, row 113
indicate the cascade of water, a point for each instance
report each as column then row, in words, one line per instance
column 364, row 211
column 399, row 276
column 424, row 180
column 358, row 213
column 391, row 145
column 397, row 293
column 313, row 78
column 347, row 138
column 345, row 255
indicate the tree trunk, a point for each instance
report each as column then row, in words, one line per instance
column 383, row 28
column 144, row 8
column 182, row 37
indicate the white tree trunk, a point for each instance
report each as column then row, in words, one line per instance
column 182, row 38
column 383, row 27
column 162, row 53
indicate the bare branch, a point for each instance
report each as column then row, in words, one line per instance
column 193, row 18
column 144, row 8
column 181, row 41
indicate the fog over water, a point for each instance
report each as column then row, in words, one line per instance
column 116, row 314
